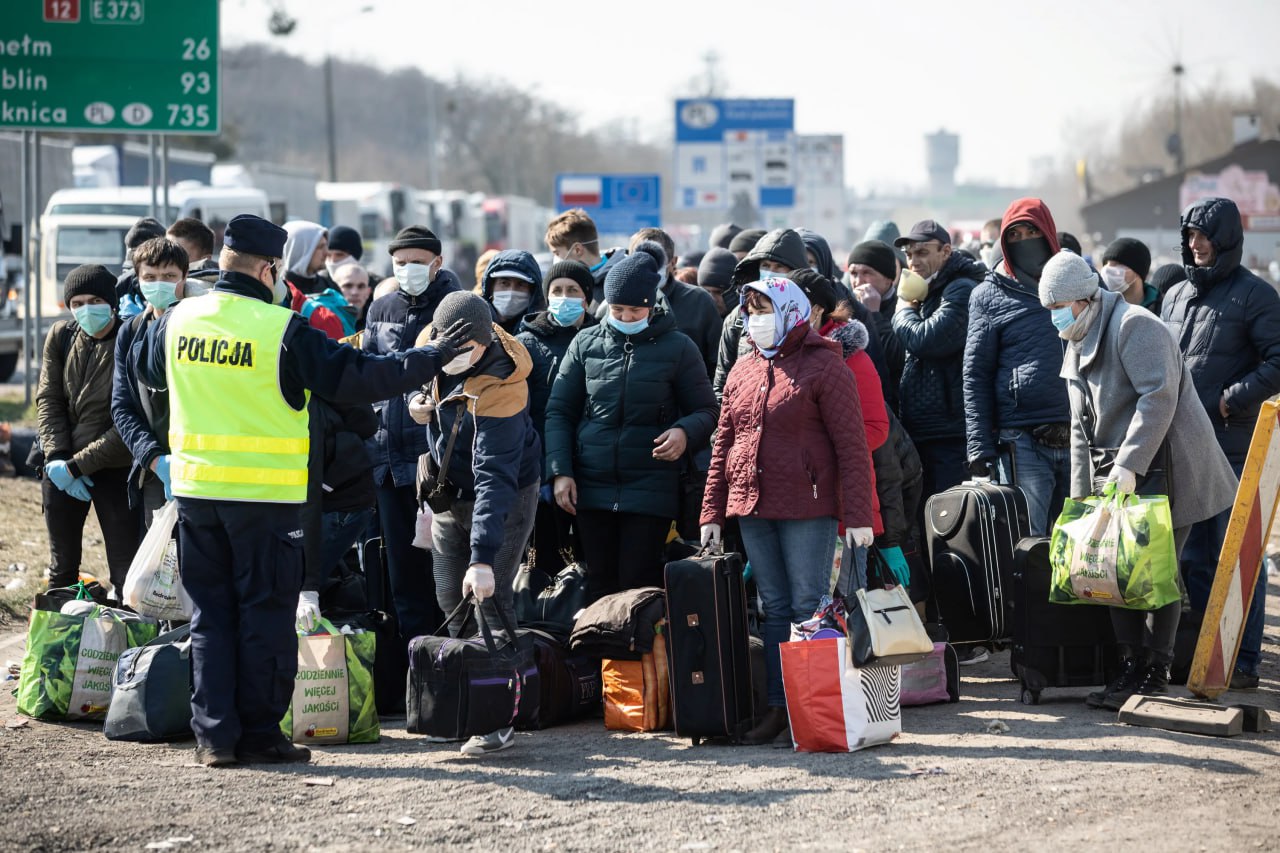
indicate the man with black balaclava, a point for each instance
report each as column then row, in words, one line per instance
column 1016, row 409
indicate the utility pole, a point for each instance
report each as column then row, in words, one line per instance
column 330, row 130
column 1176, row 146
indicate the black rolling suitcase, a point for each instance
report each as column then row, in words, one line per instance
column 708, row 651
column 971, row 531
column 391, row 661
column 1054, row 645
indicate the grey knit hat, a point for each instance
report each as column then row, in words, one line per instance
column 464, row 305
column 716, row 269
column 1066, row 278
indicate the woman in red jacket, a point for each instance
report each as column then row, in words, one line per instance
column 791, row 463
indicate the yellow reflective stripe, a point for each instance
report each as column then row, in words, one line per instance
column 231, row 474
column 239, row 443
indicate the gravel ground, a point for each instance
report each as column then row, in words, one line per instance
column 1062, row 778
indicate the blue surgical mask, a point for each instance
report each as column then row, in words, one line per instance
column 159, row 294
column 565, row 310
column 633, row 328
column 413, row 278
column 93, row 318
column 1062, row 317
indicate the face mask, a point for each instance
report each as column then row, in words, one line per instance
column 815, row 269
column 280, row 292
column 413, row 278
column 159, row 294
column 509, row 303
column 331, row 267
column 566, row 310
column 1062, row 318
column 460, row 364
column 196, row 287
column 633, row 328
column 93, row 318
column 762, row 329
column 1030, row 256
column 1113, row 278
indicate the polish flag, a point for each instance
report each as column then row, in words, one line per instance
column 580, row 192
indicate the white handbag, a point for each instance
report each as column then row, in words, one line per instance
column 884, row 628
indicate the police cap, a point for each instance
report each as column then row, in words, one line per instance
column 253, row 235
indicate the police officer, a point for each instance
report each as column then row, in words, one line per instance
column 238, row 368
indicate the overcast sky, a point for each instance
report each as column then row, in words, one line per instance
column 1012, row 78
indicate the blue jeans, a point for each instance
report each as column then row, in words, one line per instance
column 791, row 563
column 339, row 531
column 1044, row 475
column 1200, row 564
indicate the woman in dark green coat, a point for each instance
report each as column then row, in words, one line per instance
column 631, row 399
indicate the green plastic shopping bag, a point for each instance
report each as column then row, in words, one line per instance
column 1115, row 550
column 333, row 698
column 68, row 668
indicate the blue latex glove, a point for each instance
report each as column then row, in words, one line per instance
column 59, row 474
column 897, row 563
column 162, row 471
column 79, row 489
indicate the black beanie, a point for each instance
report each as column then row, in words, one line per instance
column 1134, row 254
column 690, row 260
column 722, row 236
column 716, row 269
column 464, row 305
column 633, row 281
column 1166, row 276
column 878, row 255
column 817, row 287
column 574, row 270
column 745, row 241
column 343, row 238
column 415, row 237
column 1068, row 241
column 93, row 279
column 143, row 230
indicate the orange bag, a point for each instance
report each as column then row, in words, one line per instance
column 637, row 695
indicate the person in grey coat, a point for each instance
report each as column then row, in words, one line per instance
column 1137, row 422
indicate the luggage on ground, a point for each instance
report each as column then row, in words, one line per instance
column 971, row 531
column 619, row 626
column 708, row 649
column 550, row 604
column 460, row 687
column 884, row 628
column 391, row 663
column 934, row 679
column 637, row 693
column 152, row 697
column 571, row 683
column 333, row 692
column 832, row 705
column 1053, row 645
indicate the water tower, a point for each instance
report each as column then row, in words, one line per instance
column 942, row 156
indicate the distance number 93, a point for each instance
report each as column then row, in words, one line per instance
column 197, row 80
column 189, row 115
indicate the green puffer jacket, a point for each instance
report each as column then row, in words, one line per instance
column 613, row 396
column 73, row 400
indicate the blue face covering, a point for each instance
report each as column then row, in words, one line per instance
column 93, row 318
column 565, row 310
column 1061, row 317
column 160, row 294
column 633, row 328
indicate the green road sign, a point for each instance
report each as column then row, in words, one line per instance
column 135, row 66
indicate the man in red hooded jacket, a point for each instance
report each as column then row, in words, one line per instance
column 1016, row 410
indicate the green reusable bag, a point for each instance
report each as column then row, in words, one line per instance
column 1115, row 550
column 68, row 667
column 333, row 696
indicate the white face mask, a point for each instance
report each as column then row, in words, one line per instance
column 1113, row 277
column 460, row 364
column 196, row 287
column 762, row 330
column 509, row 303
column 413, row 278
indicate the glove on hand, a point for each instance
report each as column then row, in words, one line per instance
column 308, row 613
column 897, row 563
column 451, row 340
column 59, row 474
column 162, row 471
column 421, row 408
column 710, row 536
column 860, row 537
column 1126, row 481
column 981, row 468
column 79, row 489
column 478, row 581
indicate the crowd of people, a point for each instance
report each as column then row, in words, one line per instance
column 754, row 395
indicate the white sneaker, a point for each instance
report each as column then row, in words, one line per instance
column 976, row 654
column 492, row 742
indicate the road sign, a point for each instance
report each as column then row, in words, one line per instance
column 618, row 204
column 728, row 150
column 135, row 66
column 1240, row 563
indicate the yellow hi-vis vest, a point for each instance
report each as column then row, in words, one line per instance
column 232, row 434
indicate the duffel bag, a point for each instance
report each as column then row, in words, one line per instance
column 459, row 688
column 571, row 683
column 152, row 697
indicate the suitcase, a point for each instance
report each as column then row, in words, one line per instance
column 391, row 662
column 151, row 699
column 708, row 651
column 571, row 684
column 971, row 531
column 1055, row 645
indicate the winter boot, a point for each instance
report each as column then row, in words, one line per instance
column 770, row 726
column 1155, row 681
column 1131, row 666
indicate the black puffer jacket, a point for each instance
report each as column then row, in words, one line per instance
column 614, row 395
column 931, row 398
column 1227, row 324
column 547, row 342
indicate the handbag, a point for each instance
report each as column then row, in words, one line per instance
column 463, row 687
column 152, row 696
column 832, row 705
column 436, row 491
column 550, row 604
column 884, row 628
